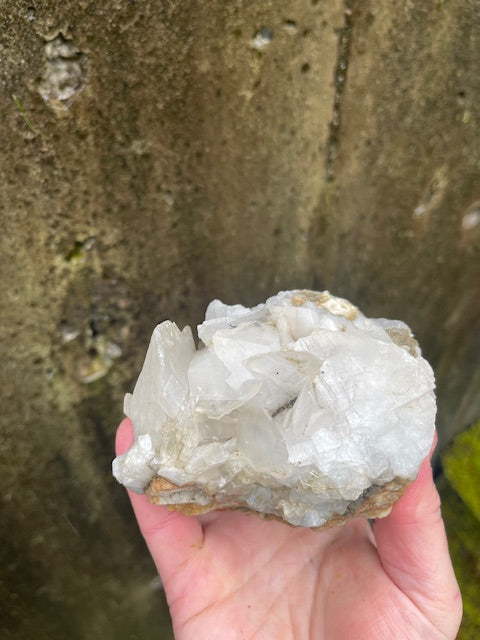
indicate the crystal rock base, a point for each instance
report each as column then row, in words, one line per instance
column 300, row 409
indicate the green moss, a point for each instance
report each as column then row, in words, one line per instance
column 460, row 492
column 23, row 113
column 461, row 464
column 77, row 253
column 463, row 531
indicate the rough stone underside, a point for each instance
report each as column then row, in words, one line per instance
column 301, row 409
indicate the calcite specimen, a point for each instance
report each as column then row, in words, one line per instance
column 301, row 409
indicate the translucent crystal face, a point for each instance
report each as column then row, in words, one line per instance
column 301, row 408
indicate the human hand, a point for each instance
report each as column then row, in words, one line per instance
column 229, row 575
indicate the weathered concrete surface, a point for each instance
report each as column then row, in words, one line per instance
column 153, row 157
column 400, row 230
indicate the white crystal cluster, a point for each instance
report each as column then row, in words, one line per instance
column 299, row 408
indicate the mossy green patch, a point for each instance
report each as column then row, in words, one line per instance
column 461, row 464
column 463, row 531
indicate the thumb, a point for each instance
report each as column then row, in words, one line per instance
column 413, row 549
column 170, row 536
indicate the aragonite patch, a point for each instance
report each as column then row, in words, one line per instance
column 300, row 408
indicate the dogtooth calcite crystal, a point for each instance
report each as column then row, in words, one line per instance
column 300, row 408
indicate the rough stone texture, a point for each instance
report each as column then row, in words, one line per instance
column 199, row 165
column 375, row 503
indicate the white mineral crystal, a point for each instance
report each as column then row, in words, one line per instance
column 300, row 408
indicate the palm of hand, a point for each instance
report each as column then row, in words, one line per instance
column 254, row 579
column 230, row 575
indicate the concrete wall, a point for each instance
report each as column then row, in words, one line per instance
column 155, row 155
